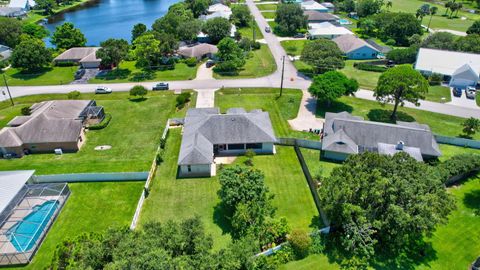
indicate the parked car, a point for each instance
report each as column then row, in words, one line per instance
column 470, row 92
column 210, row 63
column 390, row 64
column 267, row 29
column 103, row 90
column 299, row 35
column 79, row 74
column 457, row 91
column 160, row 86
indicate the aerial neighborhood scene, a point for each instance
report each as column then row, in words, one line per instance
column 240, row 134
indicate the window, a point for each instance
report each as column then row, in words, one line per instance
column 254, row 145
column 189, row 168
column 236, row 146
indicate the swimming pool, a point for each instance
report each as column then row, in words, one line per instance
column 344, row 22
column 25, row 233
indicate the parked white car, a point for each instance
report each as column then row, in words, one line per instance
column 103, row 90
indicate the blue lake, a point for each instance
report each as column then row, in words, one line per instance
column 102, row 19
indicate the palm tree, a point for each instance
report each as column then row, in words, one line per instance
column 459, row 6
column 389, row 4
column 433, row 10
column 453, row 7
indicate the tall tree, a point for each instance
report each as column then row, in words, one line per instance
column 331, row 85
column 66, row 36
column 469, row 43
column 198, row 7
column 290, row 19
column 35, row 30
column 440, row 40
column 188, row 31
column 10, row 31
column 399, row 26
column 423, row 11
column 177, row 13
column 46, row 5
column 138, row 30
column 217, row 29
column 366, row 8
column 147, row 50
column 474, row 28
column 400, row 84
column 231, row 56
column 112, row 51
column 433, row 10
column 384, row 203
column 323, row 54
column 241, row 15
column 31, row 54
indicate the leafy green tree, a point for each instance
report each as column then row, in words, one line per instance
column 469, row 43
column 198, row 7
column 35, row 30
column 46, row 5
column 290, row 19
column 10, row 31
column 189, row 30
column 323, row 54
column 400, row 26
column 474, row 28
column 138, row 91
column 366, row 8
column 177, row 13
column 168, row 43
column 380, row 202
column 470, row 126
column 367, row 25
column 347, row 6
column 147, row 50
column 241, row 15
column 112, row 51
column 300, row 242
column 403, row 56
column 439, row 40
column 138, row 30
column 230, row 54
column 31, row 54
column 331, row 85
column 400, row 84
column 66, row 36
column 217, row 29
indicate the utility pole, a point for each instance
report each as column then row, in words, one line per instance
column 283, row 71
column 8, row 90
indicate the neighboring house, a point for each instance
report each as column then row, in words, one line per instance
column 85, row 56
column 198, row 51
column 5, row 52
column 326, row 30
column 202, row 37
column 382, row 49
column 356, row 48
column 23, row 4
column 320, row 17
column 329, row 5
column 12, row 12
column 57, row 124
column 461, row 69
column 208, row 133
column 219, row 7
column 313, row 5
column 217, row 10
column 344, row 135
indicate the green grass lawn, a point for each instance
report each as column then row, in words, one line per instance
column 260, row 63
column 439, row 123
column 47, row 76
column 316, row 164
column 293, row 47
column 438, row 93
column 133, row 133
column 438, row 21
column 127, row 72
column 92, row 207
column 248, row 32
column 269, row 15
column 366, row 79
column 280, row 109
column 267, row 6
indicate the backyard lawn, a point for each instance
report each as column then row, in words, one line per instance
column 47, row 76
column 259, row 64
column 133, row 133
column 127, row 72
column 248, row 32
column 269, row 15
column 269, row 7
column 92, row 207
column 293, row 47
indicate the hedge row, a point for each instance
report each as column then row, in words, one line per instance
column 369, row 67
column 458, row 167
column 102, row 124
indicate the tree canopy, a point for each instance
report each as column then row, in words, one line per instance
column 138, row 91
column 46, row 5
column 189, row 30
column 35, row 30
column 231, row 56
column 384, row 203
column 474, row 28
column 198, row 7
column 368, row 7
column 401, row 84
column 138, row 30
column 31, row 54
column 440, row 40
column 323, row 54
column 66, row 36
column 112, row 51
column 10, row 31
column 469, row 43
column 177, row 13
column 217, row 29
column 290, row 19
column 331, row 85
column 241, row 15
column 147, row 50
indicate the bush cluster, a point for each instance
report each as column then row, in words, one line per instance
column 463, row 164
column 435, row 79
column 191, row 62
column 103, row 124
column 369, row 67
column 183, row 99
column 403, row 56
column 73, row 95
column 65, row 64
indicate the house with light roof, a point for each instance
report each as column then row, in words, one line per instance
column 313, row 5
column 356, row 48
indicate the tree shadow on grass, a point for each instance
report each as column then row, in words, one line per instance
column 30, row 74
column 472, row 201
column 137, row 99
column 115, row 74
column 335, row 107
column 142, row 76
column 380, row 115
column 220, row 218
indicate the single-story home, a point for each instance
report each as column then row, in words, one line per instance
column 5, row 52
column 314, row 16
column 326, row 30
column 27, row 211
column 202, row 37
column 23, row 4
column 381, row 48
column 462, row 69
column 219, row 7
column 85, row 56
column 355, row 48
column 208, row 133
column 199, row 50
column 313, row 5
column 57, row 124
column 329, row 5
column 12, row 12
column 344, row 135
column 217, row 10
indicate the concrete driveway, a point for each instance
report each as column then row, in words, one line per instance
column 462, row 101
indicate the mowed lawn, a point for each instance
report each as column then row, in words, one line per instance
column 258, row 64
column 271, row 7
column 46, row 76
column 128, row 72
column 92, row 207
column 248, row 32
column 281, row 109
column 133, row 133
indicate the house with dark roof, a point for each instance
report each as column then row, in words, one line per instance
column 57, row 124
column 207, row 133
column 314, row 16
column 199, row 50
column 85, row 56
column 344, row 135
column 356, row 48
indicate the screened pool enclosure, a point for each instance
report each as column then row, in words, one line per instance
column 28, row 211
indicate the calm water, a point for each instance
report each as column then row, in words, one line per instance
column 102, row 19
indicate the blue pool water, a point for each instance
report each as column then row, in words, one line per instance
column 28, row 230
column 344, row 21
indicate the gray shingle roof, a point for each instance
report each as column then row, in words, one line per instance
column 205, row 127
column 313, row 15
column 198, row 50
column 78, row 54
column 343, row 131
column 350, row 43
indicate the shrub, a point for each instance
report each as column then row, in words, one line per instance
column 138, row 90
column 159, row 157
column 73, row 95
column 369, row 67
column 318, row 243
column 300, row 242
column 249, row 154
column 25, row 111
column 390, row 42
column 225, row 67
column 403, row 56
column 256, row 45
column 191, row 62
column 183, row 99
column 435, row 79
column 458, row 165
column 103, row 124
column 65, row 64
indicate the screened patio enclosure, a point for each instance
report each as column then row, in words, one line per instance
column 27, row 216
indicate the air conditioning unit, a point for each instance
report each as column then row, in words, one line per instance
column 58, row 151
